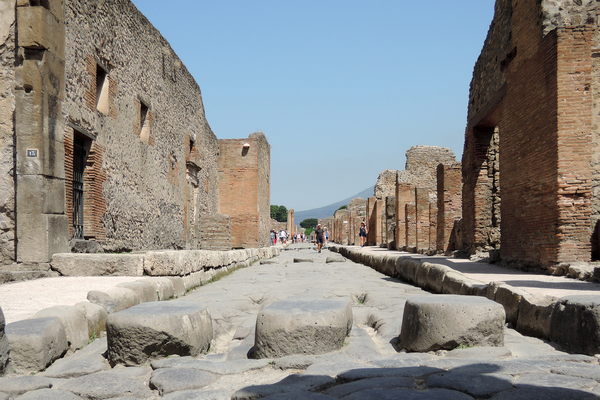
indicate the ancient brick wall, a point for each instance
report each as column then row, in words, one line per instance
column 7, row 109
column 243, row 190
column 531, row 97
column 215, row 231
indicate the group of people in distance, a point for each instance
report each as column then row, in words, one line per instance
column 321, row 236
column 283, row 236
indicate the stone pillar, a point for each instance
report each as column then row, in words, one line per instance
column 411, row 226
column 422, row 218
column 42, row 226
column 404, row 195
column 433, row 215
column 390, row 222
column 291, row 228
column 371, row 222
column 449, row 193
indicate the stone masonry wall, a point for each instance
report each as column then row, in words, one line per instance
column 156, row 148
column 7, row 110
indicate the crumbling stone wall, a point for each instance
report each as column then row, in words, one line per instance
column 530, row 132
column 7, row 110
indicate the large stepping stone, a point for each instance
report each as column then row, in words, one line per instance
column 36, row 342
column 299, row 326
column 156, row 330
column 437, row 322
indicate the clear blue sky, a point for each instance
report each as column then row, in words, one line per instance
column 341, row 88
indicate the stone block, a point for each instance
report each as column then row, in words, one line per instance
column 164, row 287
column 535, row 315
column 38, row 194
column 453, row 282
column 297, row 326
column 435, row 278
column 40, row 236
column 114, row 300
column 178, row 286
column 34, row 343
column 510, row 297
column 39, row 28
column 156, row 330
column 4, row 349
column 145, row 290
column 68, row 264
column 575, row 324
column 73, row 319
column 432, row 323
column 406, row 268
column 95, row 316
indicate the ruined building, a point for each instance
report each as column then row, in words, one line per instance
column 531, row 155
column 103, row 137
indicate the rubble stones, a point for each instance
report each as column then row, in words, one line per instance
column 159, row 329
column 432, row 323
column 302, row 327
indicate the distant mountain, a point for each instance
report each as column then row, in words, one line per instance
column 328, row 211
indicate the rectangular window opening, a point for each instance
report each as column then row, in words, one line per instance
column 101, row 90
column 144, row 123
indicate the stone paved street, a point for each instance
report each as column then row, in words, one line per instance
column 369, row 365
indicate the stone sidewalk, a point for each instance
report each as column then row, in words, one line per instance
column 370, row 365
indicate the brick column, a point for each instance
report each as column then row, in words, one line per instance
column 404, row 194
column 449, row 193
column 422, row 218
column 411, row 226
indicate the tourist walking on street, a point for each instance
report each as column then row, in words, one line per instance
column 363, row 234
column 319, row 237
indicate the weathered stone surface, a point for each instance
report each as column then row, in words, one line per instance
column 73, row 320
column 575, row 324
column 95, row 316
column 21, row 384
column 299, row 395
column 334, row 259
column 104, row 385
column 114, row 300
column 49, row 394
column 146, row 291
column 302, row 327
column 535, row 315
column 155, row 330
column 367, row 373
column 363, row 384
column 400, row 393
column 292, row 383
column 476, row 385
column 229, row 367
column 164, row 287
column 35, row 343
column 198, row 395
column 4, row 349
column 544, row 393
column 68, row 264
column 74, row 367
column 447, row 321
column 175, row 379
column 554, row 380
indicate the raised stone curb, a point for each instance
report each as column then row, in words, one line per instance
column 316, row 326
column 156, row 330
column 77, row 264
column 543, row 317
